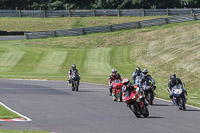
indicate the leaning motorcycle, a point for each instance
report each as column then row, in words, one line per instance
column 117, row 90
column 75, row 81
column 179, row 96
column 136, row 103
column 149, row 93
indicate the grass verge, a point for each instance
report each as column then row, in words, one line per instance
column 49, row 24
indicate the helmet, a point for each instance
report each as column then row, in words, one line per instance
column 125, row 81
column 114, row 71
column 73, row 66
column 173, row 76
column 145, row 71
column 138, row 69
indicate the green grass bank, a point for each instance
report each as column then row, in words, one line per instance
column 49, row 24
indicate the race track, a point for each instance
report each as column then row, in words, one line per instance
column 3, row 38
column 52, row 106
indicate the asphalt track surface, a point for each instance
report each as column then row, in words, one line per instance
column 52, row 106
column 3, row 38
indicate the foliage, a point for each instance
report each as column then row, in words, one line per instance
column 99, row 4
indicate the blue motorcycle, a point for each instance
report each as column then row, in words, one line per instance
column 179, row 96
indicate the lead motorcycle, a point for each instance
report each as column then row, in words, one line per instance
column 117, row 90
column 75, row 78
column 136, row 103
column 179, row 96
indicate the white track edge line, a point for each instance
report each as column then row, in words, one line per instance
column 27, row 119
column 171, row 101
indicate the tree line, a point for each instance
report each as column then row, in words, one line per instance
column 96, row 4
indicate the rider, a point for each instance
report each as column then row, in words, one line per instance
column 127, row 87
column 137, row 72
column 172, row 82
column 147, row 79
column 72, row 69
column 113, row 76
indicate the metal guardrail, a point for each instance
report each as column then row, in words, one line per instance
column 111, row 28
column 97, row 12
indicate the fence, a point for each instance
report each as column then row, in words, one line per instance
column 111, row 28
column 96, row 12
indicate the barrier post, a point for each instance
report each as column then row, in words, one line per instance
column 69, row 15
column 94, row 12
column 44, row 12
column 119, row 13
column 20, row 13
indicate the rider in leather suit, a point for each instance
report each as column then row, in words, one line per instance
column 113, row 76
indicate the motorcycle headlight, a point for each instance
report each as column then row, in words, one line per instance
column 133, row 97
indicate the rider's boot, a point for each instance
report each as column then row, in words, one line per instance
column 110, row 92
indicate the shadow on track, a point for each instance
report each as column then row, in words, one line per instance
column 162, row 105
column 155, row 117
column 82, row 91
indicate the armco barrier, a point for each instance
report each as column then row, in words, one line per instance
column 5, row 33
column 97, row 12
column 110, row 28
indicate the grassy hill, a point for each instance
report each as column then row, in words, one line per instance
column 48, row 24
column 163, row 50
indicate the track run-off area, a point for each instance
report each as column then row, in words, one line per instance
column 52, row 106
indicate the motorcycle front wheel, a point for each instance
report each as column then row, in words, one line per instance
column 72, row 85
column 120, row 96
column 135, row 109
column 150, row 98
column 76, row 85
column 146, row 112
column 182, row 104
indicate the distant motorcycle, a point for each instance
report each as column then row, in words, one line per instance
column 75, row 78
column 179, row 97
column 136, row 103
column 117, row 90
column 149, row 93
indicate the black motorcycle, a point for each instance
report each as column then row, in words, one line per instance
column 149, row 93
column 75, row 78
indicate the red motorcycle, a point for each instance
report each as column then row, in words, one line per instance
column 117, row 90
column 136, row 103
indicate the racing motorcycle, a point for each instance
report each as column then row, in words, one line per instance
column 75, row 81
column 136, row 103
column 179, row 96
column 138, row 79
column 117, row 90
column 149, row 93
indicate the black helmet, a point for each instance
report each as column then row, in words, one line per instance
column 173, row 76
column 73, row 66
column 145, row 71
column 138, row 69
column 114, row 71
column 125, row 81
